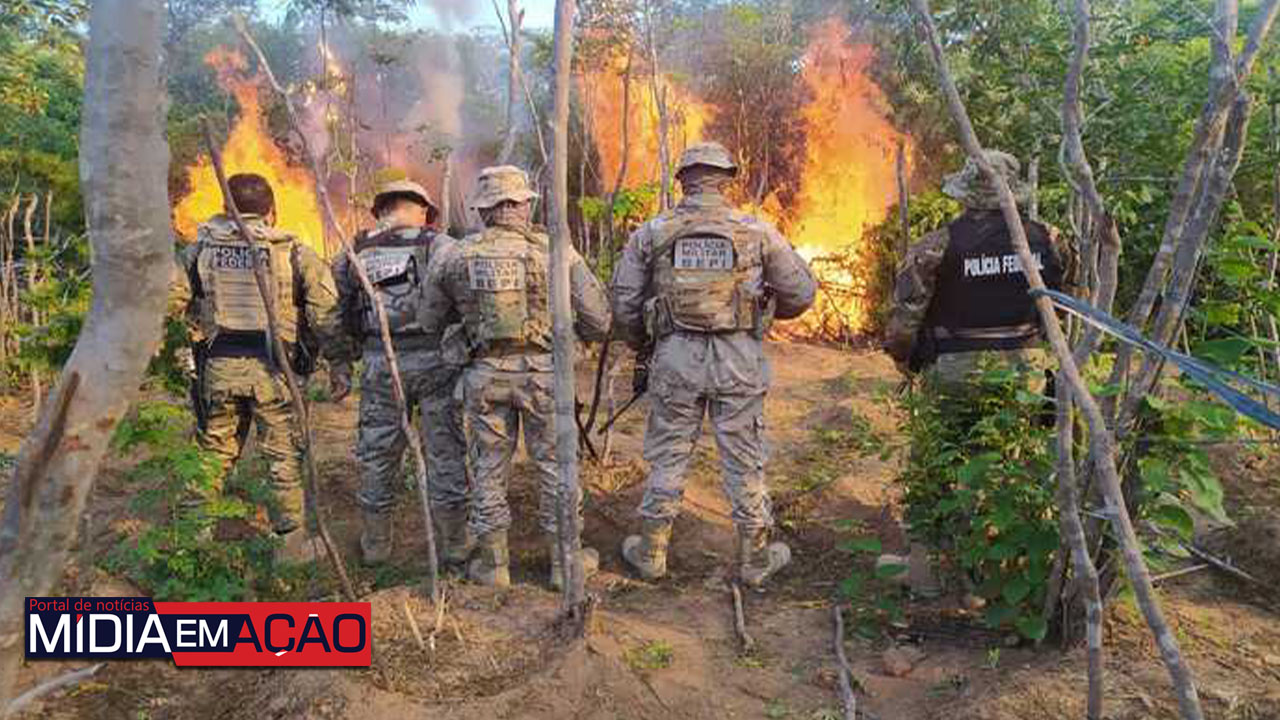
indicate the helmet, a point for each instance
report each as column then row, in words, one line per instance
column 711, row 154
column 499, row 183
column 403, row 188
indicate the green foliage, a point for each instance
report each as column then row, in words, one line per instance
column 60, row 298
column 652, row 655
column 978, row 486
column 176, row 552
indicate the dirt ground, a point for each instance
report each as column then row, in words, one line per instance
column 668, row 650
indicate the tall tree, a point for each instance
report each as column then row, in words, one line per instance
column 124, row 163
column 562, row 320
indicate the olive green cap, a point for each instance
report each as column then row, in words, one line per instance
column 711, row 154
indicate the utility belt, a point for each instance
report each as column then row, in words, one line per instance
column 240, row 344
column 751, row 315
column 406, row 342
column 1007, row 337
column 510, row 348
column 252, row 344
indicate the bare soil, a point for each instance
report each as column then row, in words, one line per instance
column 668, row 650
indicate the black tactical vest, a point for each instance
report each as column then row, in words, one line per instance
column 980, row 301
column 396, row 263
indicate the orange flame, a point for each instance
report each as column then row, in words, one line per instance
column 849, row 178
column 604, row 99
column 250, row 149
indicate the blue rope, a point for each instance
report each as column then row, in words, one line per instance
column 1212, row 377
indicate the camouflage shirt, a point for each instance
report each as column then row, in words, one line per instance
column 917, row 277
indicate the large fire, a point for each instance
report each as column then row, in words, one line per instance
column 604, row 99
column 849, row 177
column 250, row 149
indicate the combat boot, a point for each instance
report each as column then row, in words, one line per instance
column 375, row 537
column 646, row 553
column 590, row 563
column 758, row 558
column 453, row 538
column 491, row 564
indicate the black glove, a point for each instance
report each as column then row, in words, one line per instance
column 640, row 377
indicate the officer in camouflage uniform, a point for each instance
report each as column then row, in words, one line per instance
column 241, row 382
column 700, row 284
column 395, row 256
column 960, row 299
column 497, row 280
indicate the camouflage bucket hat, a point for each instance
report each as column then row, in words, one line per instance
column 403, row 188
column 503, row 182
column 971, row 188
column 711, row 154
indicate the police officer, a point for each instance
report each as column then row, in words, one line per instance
column 240, row 378
column 960, row 294
column 395, row 256
column 497, row 280
column 700, row 284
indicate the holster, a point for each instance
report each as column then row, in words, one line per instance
column 199, row 403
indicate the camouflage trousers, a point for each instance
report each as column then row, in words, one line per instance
column 499, row 403
column 952, row 373
column 429, row 388
column 723, row 378
column 243, row 393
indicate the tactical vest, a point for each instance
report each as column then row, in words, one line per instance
column 230, row 301
column 701, row 265
column 396, row 263
column 980, row 301
column 504, row 277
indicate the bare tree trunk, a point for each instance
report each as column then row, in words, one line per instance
column 904, row 199
column 33, row 313
column 562, row 322
column 528, row 96
column 513, row 79
column 1100, row 435
column 124, row 163
column 446, row 192
column 626, row 152
column 660, row 101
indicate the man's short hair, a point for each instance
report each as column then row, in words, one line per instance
column 252, row 194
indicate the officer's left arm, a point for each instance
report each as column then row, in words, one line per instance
column 787, row 277
column 320, row 297
column 912, row 293
column 591, row 313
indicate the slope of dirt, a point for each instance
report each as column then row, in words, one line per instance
column 668, row 650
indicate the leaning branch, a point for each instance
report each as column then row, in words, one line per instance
column 1100, row 435
column 384, row 328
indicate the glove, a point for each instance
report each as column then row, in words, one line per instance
column 640, row 377
column 339, row 382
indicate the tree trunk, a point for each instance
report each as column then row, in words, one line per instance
column 660, row 102
column 904, row 200
column 124, row 164
column 562, row 321
column 626, row 153
column 513, row 80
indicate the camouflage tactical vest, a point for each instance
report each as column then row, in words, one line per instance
column 230, row 300
column 503, row 275
column 701, row 263
column 396, row 262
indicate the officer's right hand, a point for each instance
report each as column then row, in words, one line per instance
column 640, row 377
column 339, row 382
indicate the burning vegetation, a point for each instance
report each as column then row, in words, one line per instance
column 826, row 173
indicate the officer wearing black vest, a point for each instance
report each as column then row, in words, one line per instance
column 960, row 293
column 394, row 255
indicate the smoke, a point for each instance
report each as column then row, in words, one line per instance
column 402, row 104
column 452, row 13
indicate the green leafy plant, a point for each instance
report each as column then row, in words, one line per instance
column 651, row 655
column 978, row 488
column 176, row 552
